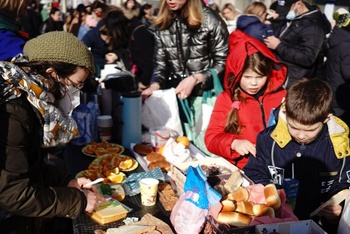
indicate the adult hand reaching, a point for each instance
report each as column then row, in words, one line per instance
column 185, row 87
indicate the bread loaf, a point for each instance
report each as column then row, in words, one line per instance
column 244, row 207
column 228, row 205
column 234, row 219
column 263, row 210
column 271, row 196
column 241, row 194
column 234, row 182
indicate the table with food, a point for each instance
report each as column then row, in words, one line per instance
column 167, row 185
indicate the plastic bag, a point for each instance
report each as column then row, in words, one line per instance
column 161, row 109
column 190, row 211
column 86, row 118
column 199, row 112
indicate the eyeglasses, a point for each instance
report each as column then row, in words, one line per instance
column 79, row 86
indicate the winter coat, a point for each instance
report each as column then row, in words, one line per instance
column 99, row 48
column 301, row 42
column 29, row 188
column 254, row 113
column 201, row 49
column 251, row 25
column 338, row 71
column 11, row 41
column 141, row 47
column 322, row 167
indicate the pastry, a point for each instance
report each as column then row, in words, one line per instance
column 142, row 149
column 154, row 157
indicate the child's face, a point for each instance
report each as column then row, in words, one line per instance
column 252, row 82
column 303, row 133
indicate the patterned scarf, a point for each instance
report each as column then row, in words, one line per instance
column 15, row 81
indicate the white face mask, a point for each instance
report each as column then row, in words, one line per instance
column 291, row 15
column 69, row 101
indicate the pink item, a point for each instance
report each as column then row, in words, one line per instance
column 284, row 214
column 256, row 193
column 90, row 21
column 235, row 105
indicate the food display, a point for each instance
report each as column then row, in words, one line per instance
column 110, row 167
column 157, row 160
column 94, row 149
column 167, row 196
column 238, row 210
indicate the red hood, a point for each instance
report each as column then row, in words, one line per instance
column 240, row 46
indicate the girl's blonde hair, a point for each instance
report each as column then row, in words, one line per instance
column 192, row 13
column 258, row 63
column 12, row 7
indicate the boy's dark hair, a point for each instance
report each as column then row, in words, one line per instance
column 308, row 101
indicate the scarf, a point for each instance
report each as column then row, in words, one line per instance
column 58, row 129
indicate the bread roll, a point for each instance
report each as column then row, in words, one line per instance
column 239, row 195
column 234, row 219
column 271, row 196
column 245, row 207
column 228, row 205
column 263, row 210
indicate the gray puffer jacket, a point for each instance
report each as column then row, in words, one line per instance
column 197, row 50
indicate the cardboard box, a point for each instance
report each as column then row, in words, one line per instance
column 178, row 172
column 299, row 227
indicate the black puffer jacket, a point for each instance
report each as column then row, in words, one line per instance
column 201, row 49
column 301, row 42
column 338, row 71
column 29, row 188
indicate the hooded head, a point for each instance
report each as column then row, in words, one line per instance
column 342, row 18
column 242, row 45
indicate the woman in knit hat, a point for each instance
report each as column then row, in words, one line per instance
column 38, row 91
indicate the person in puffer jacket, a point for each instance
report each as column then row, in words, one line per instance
column 300, row 42
column 190, row 38
column 307, row 144
column 253, row 83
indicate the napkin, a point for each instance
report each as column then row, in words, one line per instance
column 132, row 185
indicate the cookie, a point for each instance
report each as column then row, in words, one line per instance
column 163, row 165
column 154, row 157
column 142, row 149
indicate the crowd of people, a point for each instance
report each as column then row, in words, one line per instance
column 283, row 114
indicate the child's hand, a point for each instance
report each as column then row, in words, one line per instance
column 331, row 212
column 243, row 147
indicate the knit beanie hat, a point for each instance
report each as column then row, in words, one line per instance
column 59, row 46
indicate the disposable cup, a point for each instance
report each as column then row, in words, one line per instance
column 149, row 190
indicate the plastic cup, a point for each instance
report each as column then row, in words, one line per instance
column 104, row 124
column 149, row 191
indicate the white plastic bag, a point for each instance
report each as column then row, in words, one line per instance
column 344, row 223
column 161, row 109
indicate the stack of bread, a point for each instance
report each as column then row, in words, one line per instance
column 238, row 211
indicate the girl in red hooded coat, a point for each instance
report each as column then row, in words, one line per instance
column 253, row 88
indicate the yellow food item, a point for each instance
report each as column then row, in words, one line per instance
column 183, row 140
column 161, row 149
column 126, row 164
column 113, row 171
column 116, row 178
